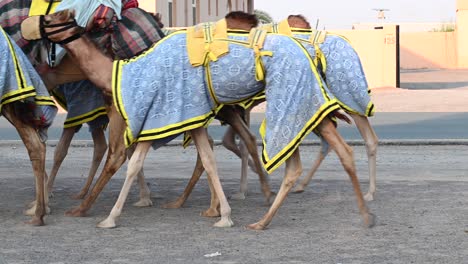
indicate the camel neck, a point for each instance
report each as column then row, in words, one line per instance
column 95, row 65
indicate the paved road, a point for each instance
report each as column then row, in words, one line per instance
column 421, row 207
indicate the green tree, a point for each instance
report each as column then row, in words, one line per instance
column 263, row 16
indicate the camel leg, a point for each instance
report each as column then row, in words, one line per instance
column 134, row 167
column 200, row 137
column 324, row 150
column 345, row 154
column 115, row 158
column 293, row 171
column 229, row 142
column 100, row 148
column 197, row 173
column 243, row 180
column 37, row 153
column 145, row 193
column 249, row 139
column 369, row 136
column 60, row 153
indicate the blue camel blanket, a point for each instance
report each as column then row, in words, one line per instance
column 160, row 94
column 20, row 83
column 84, row 103
column 342, row 70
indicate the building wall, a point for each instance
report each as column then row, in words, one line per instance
column 183, row 14
column 378, row 53
column 428, row 50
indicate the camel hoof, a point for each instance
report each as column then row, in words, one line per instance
column 224, row 222
column 370, row 220
column 256, row 226
column 172, row 205
column 36, row 221
column 369, row 197
column 108, row 223
column 75, row 213
column 298, row 189
column 210, row 213
column 144, row 202
column 32, row 211
column 238, row 196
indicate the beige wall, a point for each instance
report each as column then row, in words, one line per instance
column 428, row 50
column 377, row 50
column 462, row 33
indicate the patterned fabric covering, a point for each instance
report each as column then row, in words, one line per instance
column 12, row 13
column 134, row 33
column 84, row 103
column 20, row 83
column 160, row 95
column 343, row 72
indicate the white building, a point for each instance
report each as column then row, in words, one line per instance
column 183, row 13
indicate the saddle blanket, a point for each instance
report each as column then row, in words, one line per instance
column 19, row 82
column 343, row 72
column 84, row 103
column 160, row 95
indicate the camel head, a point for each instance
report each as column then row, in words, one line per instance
column 59, row 27
column 298, row 21
column 241, row 20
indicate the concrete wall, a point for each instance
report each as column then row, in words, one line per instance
column 428, row 50
column 378, row 52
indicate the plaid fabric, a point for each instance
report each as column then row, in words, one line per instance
column 12, row 13
column 126, row 4
column 134, row 33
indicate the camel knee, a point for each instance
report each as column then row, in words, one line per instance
column 371, row 147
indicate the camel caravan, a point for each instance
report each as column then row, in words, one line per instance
column 153, row 87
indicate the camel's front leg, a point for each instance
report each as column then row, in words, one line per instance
column 200, row 137
column 345, row 153
column 100, row 148
column 369, row 136
column 145, row 193
column 134, row 167
column 37, row 153
column 293, row 171
column 60, row 153
column 324, row 150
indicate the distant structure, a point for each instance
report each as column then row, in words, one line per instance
column 184, row 13
column 380, row 13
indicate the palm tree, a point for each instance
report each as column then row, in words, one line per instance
column 263, row 16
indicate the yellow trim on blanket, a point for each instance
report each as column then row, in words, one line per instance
column 39, row 7
column 85, row 118
column 201, row 48
column 17, row 95
column 272, row 164
column 44, row 100
column 60, row 99
column 20, row 79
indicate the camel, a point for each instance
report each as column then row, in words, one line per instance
column 356, row 85
column 99, row 69
column 67, row 72
column 19, row 111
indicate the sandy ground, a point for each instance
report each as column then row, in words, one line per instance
column 421, row 207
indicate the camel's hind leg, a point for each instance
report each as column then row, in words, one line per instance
column 196, row 174
column 249, row 139
column 345, row 154
column 37, row 152
column 115, row 158
column 324, row 150
column 60, row 153
column 145, row 193
column 371, row 140
column 200, row 137
column 293, row 171
column 134, row 167
column 100, row 148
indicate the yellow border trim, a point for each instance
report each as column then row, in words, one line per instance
column 272, row 164
column 84, row 118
